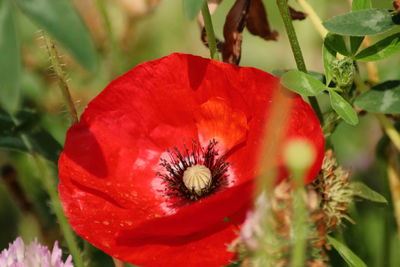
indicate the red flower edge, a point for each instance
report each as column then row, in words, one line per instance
column 109, row 186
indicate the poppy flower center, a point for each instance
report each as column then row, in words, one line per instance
column 197, row 178
column 194, row 173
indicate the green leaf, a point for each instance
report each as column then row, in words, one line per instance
column 343, row 108
column 363, row 191
column 336, row 43
column 44, row 144
column 302, row 83
column 355, row 43
column 382, row 98
column 361, row 23
column 380, row 50
column 352, row 259
column 27, row 135
column 62, row 21
column 192, row 8
column 10, row 61
column 360, row 5
column 328, row 57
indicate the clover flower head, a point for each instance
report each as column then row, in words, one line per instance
column 34, row 254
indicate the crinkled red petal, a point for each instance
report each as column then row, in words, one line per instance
column 108, row 183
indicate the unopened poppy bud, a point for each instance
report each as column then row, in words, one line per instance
column 299, row 155
column 197, row 178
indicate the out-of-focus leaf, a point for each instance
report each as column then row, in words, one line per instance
column 14, row 136
column 352, row 259
column 10, row 64
column 360, row 5
column 328, row 57
column 257, row 21
column 343, row 108
column 336, row 43
column 302, row 83
column 361, row 23
column 233, row 28
column 192, row 7
column 62, row 21
column 44, row 144
column 363, row 191
column 380, row 50
column 296, row 15
column 382, row 98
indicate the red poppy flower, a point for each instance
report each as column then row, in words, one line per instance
column 160, row 169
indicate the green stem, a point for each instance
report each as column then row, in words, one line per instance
column 212, row 43
column 300, row 226
column 62, row 81
column 298, row 56
column 47, row 179
column 51, row 188
column 114, row 48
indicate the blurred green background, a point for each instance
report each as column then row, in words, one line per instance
column 156, row 29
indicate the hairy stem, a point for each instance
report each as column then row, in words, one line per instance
column 212, row 43
column 298, row 55
column 62, row 81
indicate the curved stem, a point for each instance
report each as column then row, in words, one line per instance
column 389, row 129
column 298, row 55
column 212, row 43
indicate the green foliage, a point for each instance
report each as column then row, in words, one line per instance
column 361, row 23
column 192, row 7
column 62, row 21
column 23, row 133
column 360, row 5
column 343, row 108
column 9, row 58
column 352, row 259
column 380, row 50
column 336, row 43
column 328, row 56
column 363, row 191
column 355, row 43
column 382, row 98
column 302, row 83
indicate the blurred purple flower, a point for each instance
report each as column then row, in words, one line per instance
column 33, row 255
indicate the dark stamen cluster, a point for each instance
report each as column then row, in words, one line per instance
column 178, row 163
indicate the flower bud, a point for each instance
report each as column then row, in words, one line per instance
column 299, row 155
column 343, row 72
